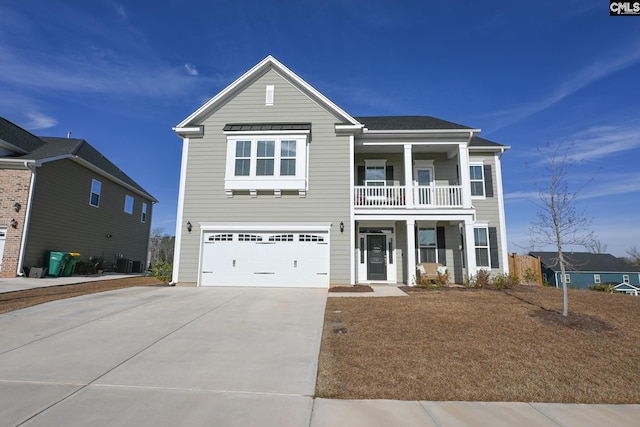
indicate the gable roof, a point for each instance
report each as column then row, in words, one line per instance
column 190, row 125
column 16, row 139
column 56, row 148
column 585, row 261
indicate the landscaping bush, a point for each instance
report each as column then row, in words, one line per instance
column 601, row 287
column 161, row 271
column 504, row 281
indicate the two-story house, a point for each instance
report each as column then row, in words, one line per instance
column 61, row 194
column 281, row 187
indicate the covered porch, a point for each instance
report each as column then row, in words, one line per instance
column 388, row 250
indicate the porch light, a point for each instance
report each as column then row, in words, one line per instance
column 189, row 226
column 341, row 227
column 16, row 206
column 14, row 223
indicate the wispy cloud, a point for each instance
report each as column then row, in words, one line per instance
column 39, row 121
column 120, row 10
column 191, row 69
column 584, row 77
column 603, row 141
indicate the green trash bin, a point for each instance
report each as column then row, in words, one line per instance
column 57, row 262
column 70, row 266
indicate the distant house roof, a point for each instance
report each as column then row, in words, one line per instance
column 585, row 261
column 28, row 147
column 420, row 123
column 17, row 139
column 55, row 147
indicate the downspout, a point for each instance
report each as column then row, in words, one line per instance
column 27, row 218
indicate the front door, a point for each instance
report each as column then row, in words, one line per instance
column 377, row 257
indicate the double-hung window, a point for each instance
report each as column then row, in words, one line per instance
column 427, row 244
column 481, row 238
column 477, row 180
column 266, row 162
column 96, row 189
column 143, row 214
column 128, row 204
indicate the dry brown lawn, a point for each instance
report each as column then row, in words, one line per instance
column 21, row 299
column 483, row 345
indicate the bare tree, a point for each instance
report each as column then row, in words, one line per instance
column 557, row 220
column 634, row 257
column 597, row 247
column 161, row 246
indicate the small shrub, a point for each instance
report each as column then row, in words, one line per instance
column 442, row 279
column 530, row 277
column 601, row 287
column 504, row 281
column 161, row 271
column 482, row 279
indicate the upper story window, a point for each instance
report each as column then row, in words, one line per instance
column 476, row 173
column 625, row 278
column 128, row 204
column 266, row 162
column 96, row 189
column 143, row 214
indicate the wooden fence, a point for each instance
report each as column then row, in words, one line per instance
column 527, row 268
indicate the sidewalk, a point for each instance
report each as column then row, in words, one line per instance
column 23, row 283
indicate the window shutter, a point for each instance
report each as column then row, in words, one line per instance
column 488, row 181
column 493, row 247
column 389, row 175
column 360, row 177
column 440, row 242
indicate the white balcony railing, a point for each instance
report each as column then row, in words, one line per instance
column 432, row 196
column 380, row 197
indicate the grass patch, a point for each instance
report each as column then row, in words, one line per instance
column 483, row 345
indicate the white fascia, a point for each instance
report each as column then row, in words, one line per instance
column 189, row 131
column 258, row 69
column 180, row 213
column 501, row 214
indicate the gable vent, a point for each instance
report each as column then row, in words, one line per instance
column 269, row 95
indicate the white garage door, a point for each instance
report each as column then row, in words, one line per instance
column 281, row 259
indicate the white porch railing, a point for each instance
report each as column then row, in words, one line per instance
column 380, row 197
column 432, row 196
column 441, row 196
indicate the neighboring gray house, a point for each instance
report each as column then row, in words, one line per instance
column 281, row 187
column 59, row 194
column 585, row 269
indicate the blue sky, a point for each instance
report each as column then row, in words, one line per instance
column 122, row 74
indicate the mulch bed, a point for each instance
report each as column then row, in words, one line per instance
column 483, row 345
column 356, row 288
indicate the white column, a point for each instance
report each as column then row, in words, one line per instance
column 352, row 216
column 408, row 176
column 465, row 176
column 411, row 252
column 470, row 248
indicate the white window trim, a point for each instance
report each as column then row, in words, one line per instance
column 254, row 182
column 567, row 278
column 596, row 279
column 626, row 278
column 376, row 163
column 128, row 197
column 435, row 247
column 484, row 194
column 144, row 212
column 91, row 193
column 488, row 247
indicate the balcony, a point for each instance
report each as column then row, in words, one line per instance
column 394, row 197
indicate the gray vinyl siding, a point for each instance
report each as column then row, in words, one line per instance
column 445, row 170
column 327, row 198
column 488, row 209
column 401, row 247
column 63, row 220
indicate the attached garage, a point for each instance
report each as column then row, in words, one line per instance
column 277, row 256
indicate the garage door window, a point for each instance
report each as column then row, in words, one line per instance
column 311, row 238
column 281, row 238
column 249, row 238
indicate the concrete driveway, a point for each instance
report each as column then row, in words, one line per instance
column 163, row 357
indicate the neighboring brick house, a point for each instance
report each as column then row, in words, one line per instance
column 281, row 187
column 60, row 194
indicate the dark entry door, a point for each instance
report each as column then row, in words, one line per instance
column 377, row 257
